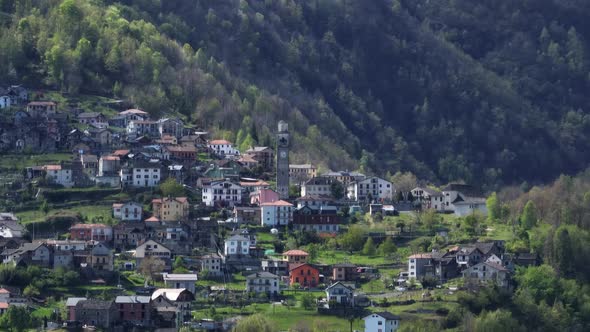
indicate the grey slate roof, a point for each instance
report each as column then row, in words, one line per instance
column 132, row 299
column 93, row 304
column 72, row 301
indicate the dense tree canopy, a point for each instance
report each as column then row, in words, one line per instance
column 484, row 91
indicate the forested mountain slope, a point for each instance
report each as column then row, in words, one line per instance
column 483, row 91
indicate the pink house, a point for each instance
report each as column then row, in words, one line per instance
column 262, row 196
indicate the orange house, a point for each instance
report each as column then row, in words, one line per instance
column 304, row 275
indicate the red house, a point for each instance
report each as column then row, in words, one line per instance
column 135, row 309
column 304, row 275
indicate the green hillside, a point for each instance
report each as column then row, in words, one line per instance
column 489, row 92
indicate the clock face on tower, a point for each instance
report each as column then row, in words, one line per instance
column 283, row 154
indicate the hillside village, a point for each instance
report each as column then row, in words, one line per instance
column 193, row 223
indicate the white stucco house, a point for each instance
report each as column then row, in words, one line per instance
column 263, row 283
column 381, row 322
column 130, row 211
column 59, row 175
column 317, row 186
column 463, row 200
column 221, row 193
column 428, row 198
column 470, row 205
column 222, row 147
column 340, row 294
column 145, row 176
column 278, row 213
column 237, row 245
column 375, row 188
column 182, row 280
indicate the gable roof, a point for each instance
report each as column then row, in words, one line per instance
column 429, row 191
column 385, row 314
column 237, row 238
column 220, row 142
column 169, row 199
column 297, row 266
column 94, row 304
column 258, row 149
column 133, row 111
column 72, row 301
column 277, row 203
column 421, row 256
column 339, row 284
column 496, row 266
column 153, row 242
column 295, row 252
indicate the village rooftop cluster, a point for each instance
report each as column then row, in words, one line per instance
column 231, row 197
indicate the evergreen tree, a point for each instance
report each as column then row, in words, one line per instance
column 387, row 248
column 494, row 207
column 529, row 216
column 369, row 247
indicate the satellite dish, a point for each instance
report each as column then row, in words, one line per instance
column 274, row 231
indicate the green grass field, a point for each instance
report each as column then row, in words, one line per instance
column 22, row 161
column 335, row 257
column 285, row 318
column 89, row 211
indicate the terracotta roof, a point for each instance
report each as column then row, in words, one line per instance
column 426, row 256
column 4, row 291
column 110, row 158
column 219, row 142
column 258, row 183
column 4, row 305
column 152, row 219
column 52, row 167
column 295, row 252
column 276, row 203
column 117, row 205
column 121, row 153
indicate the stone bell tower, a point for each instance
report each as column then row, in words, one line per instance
column 283, row 160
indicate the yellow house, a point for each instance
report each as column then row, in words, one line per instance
column 170, row 208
